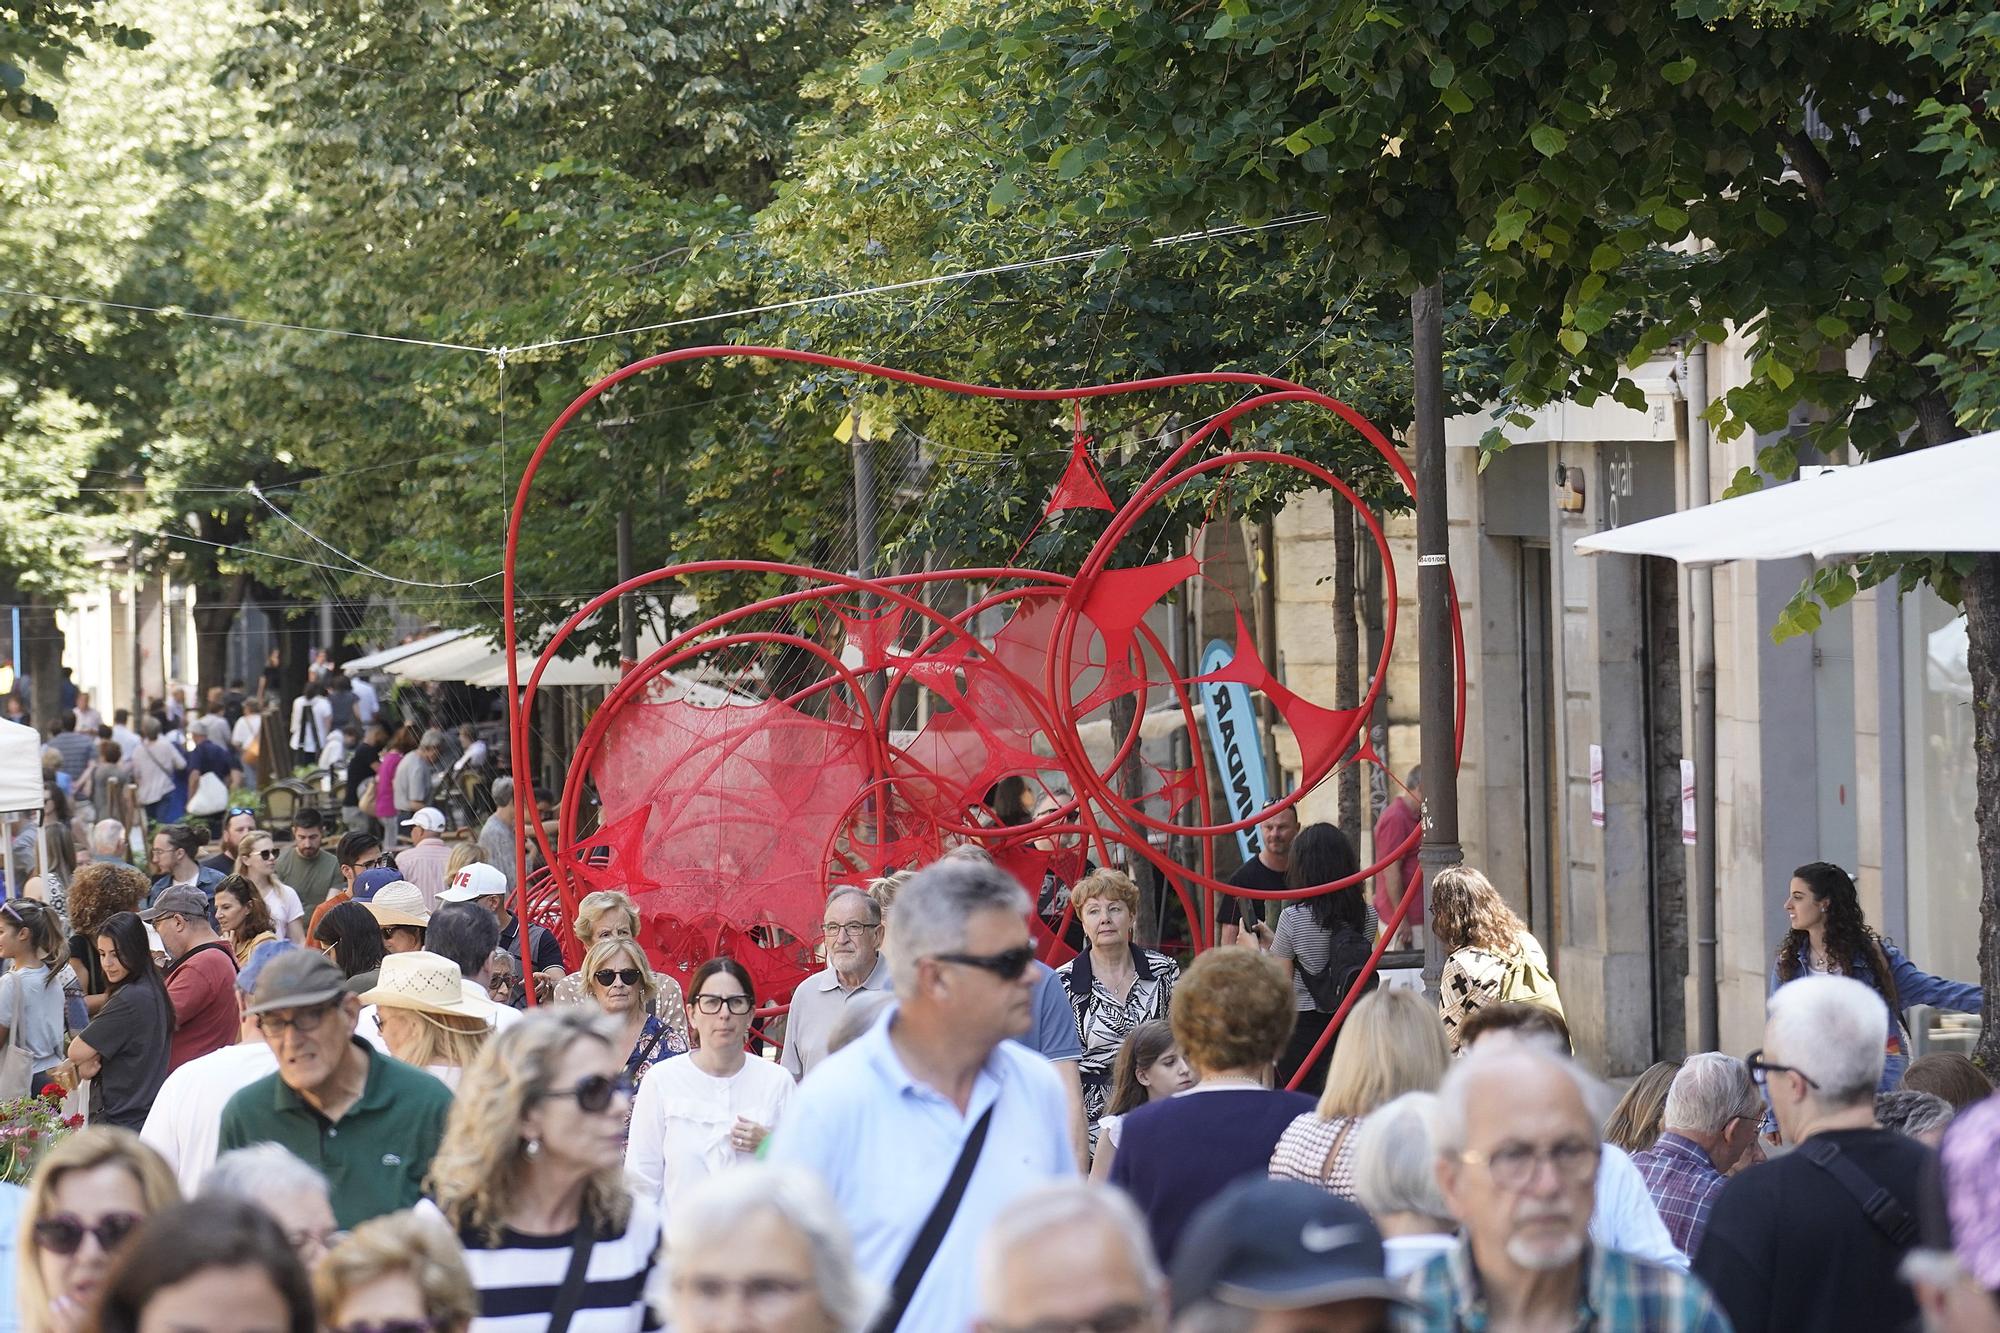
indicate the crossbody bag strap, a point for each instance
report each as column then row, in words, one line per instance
column 1880, row 1207
column 1333, row 1153
column 570, row 1294
column 931, row 1235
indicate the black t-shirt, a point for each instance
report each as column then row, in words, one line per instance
column 134, row 1033
column 359, row 767
column 1787, row 1247
column 1252, row 874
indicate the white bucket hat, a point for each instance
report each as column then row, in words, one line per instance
column 428, row 983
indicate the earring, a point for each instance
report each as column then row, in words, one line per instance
column 532, row 1148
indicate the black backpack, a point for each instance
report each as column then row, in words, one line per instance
column 1345, row 959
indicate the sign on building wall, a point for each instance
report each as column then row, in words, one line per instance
column 1687, row 802
column 1233, row 738
column 1597, row 785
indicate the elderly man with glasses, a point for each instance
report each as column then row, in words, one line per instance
column 1711, row 1120
column 852, row 927
column 368, row 1123
column 931, row 1124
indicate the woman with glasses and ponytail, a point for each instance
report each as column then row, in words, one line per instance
column 619, row 981
column 713, row 1109
column 531, row 1178
column 87, row 1197
column 32, row 1001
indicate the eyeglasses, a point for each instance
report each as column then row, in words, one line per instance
column 1513, row 1166
column 604, row 976
column 302, row 1021
column 1761, row 1070
column 836, row 929
column 1122, row 1318
column 313, row 1243
column 386, row 1326
column 381, row 862
column 715, row 1004
column 594, row 1092
column 1008, row 964
column 64, row 1232
column 268, row 854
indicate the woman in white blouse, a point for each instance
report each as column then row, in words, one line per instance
column 713, row 1107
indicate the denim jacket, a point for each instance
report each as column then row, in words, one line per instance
column 1913, row 986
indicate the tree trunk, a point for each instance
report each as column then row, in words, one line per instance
column 1346, row 670
column 42, row 646
column 1982, row 631
column 216, row 602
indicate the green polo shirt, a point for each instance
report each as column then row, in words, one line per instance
column 374, row 1158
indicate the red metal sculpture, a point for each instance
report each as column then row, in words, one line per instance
column 729, row 818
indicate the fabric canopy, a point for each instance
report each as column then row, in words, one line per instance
column 1944, row 498
column 20, row 767
column 377, row 661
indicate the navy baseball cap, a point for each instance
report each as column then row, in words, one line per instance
column 368, row 882
column 1280, row 1245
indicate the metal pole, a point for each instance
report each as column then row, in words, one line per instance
column 1436, row 688
column 1267, row 647
column 132, row 631
column 628, row 620
column 865, row 534
column 1701, row 612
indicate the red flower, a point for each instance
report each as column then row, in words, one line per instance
column 74, row 1121
column 55, row 1092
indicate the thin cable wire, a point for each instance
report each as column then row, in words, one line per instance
column 173, row 313
column 359, row 566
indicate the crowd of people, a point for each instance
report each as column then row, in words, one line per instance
column 323, row 1093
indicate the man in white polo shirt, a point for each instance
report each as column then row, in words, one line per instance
column 933, row 1111
column 852, row 925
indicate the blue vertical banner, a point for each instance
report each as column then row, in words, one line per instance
column 1234, row 740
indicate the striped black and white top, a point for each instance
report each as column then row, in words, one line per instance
column 518, row 1278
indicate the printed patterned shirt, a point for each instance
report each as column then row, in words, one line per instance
column 1683, row 1183
column 1617, row 1293
column 1102, row 1022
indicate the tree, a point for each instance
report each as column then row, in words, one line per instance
column 1797, row 145
column 37, row 43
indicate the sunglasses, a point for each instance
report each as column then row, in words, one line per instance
column 715, row 1004
column 1008, row 964
column 594, row 1092
column 268, row 854
column 236, row 810
column 604, row 976
column 64, row 1233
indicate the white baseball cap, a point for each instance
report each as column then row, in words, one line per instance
column 430, row 818
column 475, row 881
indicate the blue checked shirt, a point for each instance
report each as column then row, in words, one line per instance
column 1683, row 1183
column 1619, row 1294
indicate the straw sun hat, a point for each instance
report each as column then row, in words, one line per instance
column 428, row 983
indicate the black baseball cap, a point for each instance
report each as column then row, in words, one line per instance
column 1280, row 1245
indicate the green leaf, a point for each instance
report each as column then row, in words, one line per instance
column 1678, row 71
column 1573, row 341
column 1768, row 222
column 1670, row 219
column 1443, row 72
column 1834, row 328
column 1224, row 25
column 1548, row 140
column 1456, row 101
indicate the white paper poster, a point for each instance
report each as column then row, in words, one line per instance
column 1597, row 785
column 1687, row 801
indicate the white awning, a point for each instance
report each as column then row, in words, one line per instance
column 377, row 661
column 1944, row 498
column 20, row 768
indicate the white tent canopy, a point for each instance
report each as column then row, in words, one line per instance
column 1944, row 498
column 378, row 661
column 20, row 767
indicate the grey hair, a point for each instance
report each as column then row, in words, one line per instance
column 1448, row 1124
column 1830, row 1029
column 1913, row 1113
column 1055, row 1207
column 1395, row 1156
column 1709, row 1091
column 431, row 739
column 849, row 891
column 502, row 791
column 933, row 908
column 718, row 1206
column 261, row 1171
column 107, row 837
column 149, row 728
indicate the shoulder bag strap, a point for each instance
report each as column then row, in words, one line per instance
column 1333, row 1153
column 931, row 1235
column 1877, row 1204
column 570, row 1294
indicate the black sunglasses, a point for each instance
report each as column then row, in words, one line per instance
column 606, row 975
column 64, row 1233
column 1761, row 1069
column 594, row 1092
column 1008, row 964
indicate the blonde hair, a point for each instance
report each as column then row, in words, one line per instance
column 465, row 854
column 477, row 1171
column 595, row 905
column 885, row 889
column 400, row 1243
column 604, row 952
column 1391, row 1043
column 85, row 1150
column 1466, row 910
column 443, row 1039
column 1105, row 882
column 244, row 845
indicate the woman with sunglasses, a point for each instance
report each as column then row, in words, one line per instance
column 241, row 914
column 397, row 1274
column 618, row 980
column 712, row 1110
column 126, row 1047
column 213, row 1264
column 610, row 915
column 31, row 993
column 257, row 861
column 86, row 1197
column 530, row 1175
column 350, row 935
